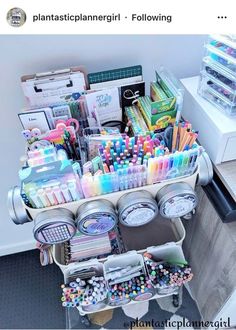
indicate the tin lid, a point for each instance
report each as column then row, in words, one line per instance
column 54, row 226
column 134, row 196
column 176, row 200
column 99, row 205
column 96, row 217
column 16, row 207
column 137, row 208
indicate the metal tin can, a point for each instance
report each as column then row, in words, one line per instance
column 137, row 208
column 16, row 207
column 176, row 200
column 96, row 217
column 205, row 174
column 54, row 226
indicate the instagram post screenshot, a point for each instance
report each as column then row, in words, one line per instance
column 118, row 164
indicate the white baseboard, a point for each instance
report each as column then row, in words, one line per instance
column 15, row 248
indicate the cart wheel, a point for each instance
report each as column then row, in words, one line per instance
column 85, row 321
column 175, row 300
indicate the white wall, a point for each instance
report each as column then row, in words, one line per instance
column 29, row 54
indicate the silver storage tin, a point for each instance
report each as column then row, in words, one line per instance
column 137, row 208
column 16, row 207
column 96, row 217
column 176, row 200
column 54, row 226
column 205, row 174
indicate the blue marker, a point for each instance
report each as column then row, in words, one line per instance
column 176, row 160
column 171, row 162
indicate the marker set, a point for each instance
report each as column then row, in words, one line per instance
column 54, row 194
column 172, row 166
column 138, row 288
column 87, row 293
column 125, row 278
column 166, row 276
column 123, row 179
column 51, row 184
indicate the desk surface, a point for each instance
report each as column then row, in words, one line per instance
column 227, row 173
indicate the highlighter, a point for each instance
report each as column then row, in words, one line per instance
column 160, row 165
column 185, row 162
column 165, row 167
column 97, row 187
column 151, row 168
column 115, row 182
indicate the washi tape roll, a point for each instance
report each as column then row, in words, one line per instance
column 137, row 208
column 96, row 217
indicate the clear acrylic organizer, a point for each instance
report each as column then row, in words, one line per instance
column 219, row 94
column 218, row 75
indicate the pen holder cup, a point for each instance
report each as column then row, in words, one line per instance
column 165, row 281
column 95, row 289
column 127, row 279
column 162, row 289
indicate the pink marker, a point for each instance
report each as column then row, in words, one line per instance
column 58, row 195
column 165, row 167
column 127, row 142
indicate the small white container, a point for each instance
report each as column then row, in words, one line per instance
column 72, row 269
column 131, row 258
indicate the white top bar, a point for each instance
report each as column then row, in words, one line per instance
column 128, row 17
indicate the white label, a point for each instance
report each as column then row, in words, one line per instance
column 179, row 206
column 139, row 216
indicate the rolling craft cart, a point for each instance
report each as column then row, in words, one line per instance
column 145, row 209
column 163, row 237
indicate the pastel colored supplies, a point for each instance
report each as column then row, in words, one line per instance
column 84, row 292
column 164, row 274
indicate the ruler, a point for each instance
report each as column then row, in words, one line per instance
column 122, row 73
